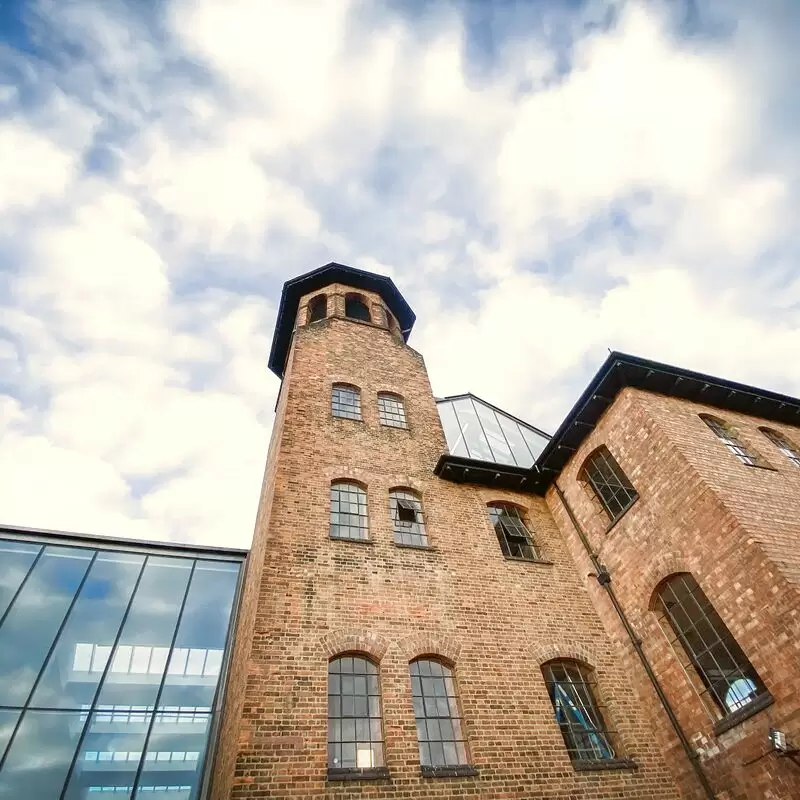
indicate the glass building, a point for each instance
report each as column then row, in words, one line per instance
column 112, row 662
column 476, row 429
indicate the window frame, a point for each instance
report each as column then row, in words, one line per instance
column 362, row 502
column 783, row 443
column 401, row 529
column 724, row 433
column 389, row 418
column 336, row 404
column 589, row 473
column 509, row 526
column 363, row 302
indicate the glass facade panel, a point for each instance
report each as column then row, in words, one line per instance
column 475, row 429
column 109, row 668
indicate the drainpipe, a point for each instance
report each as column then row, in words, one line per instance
column 604, row 579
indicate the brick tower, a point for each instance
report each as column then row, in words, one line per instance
column 387, row 646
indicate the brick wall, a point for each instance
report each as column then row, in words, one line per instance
column 736, row 529
column 309, row 597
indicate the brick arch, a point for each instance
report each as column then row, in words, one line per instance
column 663, row 565
column 429, row 644
column 541, row 652
column 397, row 481
column 354, row 640
column 344, row 472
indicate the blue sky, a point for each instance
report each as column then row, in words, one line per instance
column 543, row 180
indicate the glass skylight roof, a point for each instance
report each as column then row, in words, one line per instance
column 475, row 429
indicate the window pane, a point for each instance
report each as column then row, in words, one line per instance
column 348, row 512
column 346, row 402
column 512, row 534
column 34, row 619
column 609, row 483
column 407, row 519
column 476, row 442
column 40, row 755
column 16, row 559
column 452, row 430
column 150, row 623
column 391, row 411
column 501, row 453
column 8, row 719
column 69, row 680
column 519, row 448
column 203, row 630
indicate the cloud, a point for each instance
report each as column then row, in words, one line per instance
column 542, row 184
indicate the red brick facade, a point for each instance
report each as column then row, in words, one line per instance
column 495, row 621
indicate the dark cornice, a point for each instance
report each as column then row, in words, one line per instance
column 294, row 289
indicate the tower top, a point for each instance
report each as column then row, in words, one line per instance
column 323, row 276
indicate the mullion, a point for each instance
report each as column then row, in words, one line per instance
column 21, row 585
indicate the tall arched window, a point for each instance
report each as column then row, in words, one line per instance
column 407, row 519
column 349, row 519
column 608, row 482
column 391, row 411
column 356, row 307
column 513, row 535
column 355, row 732
column 783, row 444
column 696, row 631
column 439, row 730
column 317, row 308
column 726, row 435
column 571, row 689
column 345, row 401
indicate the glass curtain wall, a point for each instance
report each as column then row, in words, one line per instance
column 109, row 669
column 475, row 429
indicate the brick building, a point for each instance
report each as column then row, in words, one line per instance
column 441, row 601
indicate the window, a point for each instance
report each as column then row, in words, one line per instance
column 723, row 432
column 512, row 533
column 391, row 411
column 356, row 308
column 348, row 511
column 439, row 731
column 726, row 676
column 317, row 308
column 345, row 402
column 571, row 689
column 783, row 444
column 609, row 483
column 409, row 524
column 355, row 733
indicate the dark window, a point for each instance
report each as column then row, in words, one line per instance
column 346, row 402
column 348, row 511
column 571, row 689
column 726, row 676
column 409, row 524
column 355, row 733
column 514, row 537
column 730, row 440
column 356, row 308
column 439, row 730
column 391, row 411
column 609, row 483
column 317, row 308
column 783, row 444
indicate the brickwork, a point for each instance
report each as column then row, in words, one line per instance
column 495, row 621
column 735, row 529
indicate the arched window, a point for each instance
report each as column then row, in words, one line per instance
column 355, row 732
column 439, row 730
column 512, row 533
column 571, row 689
column 345, row 401
column 726, row 676
column 783, row 444
column 609, row 483
column 349, row 519
column 726, row 435
column 317, row 308
column 356, row 307
column 391, row 411
column 409, row 524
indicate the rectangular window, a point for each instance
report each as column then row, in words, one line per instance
column 391, row 411
column 346, row 402
column 349, row 519
column 609, row 483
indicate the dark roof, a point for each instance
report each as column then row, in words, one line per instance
column 617, row 372
column 294, row 289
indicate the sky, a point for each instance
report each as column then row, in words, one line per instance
column 544, row 180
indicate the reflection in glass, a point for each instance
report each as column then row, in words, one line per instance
column 35, row 617
column 494, row 435
column 474, row 437
column 8, row 719
column 16, row 559
column 452, row 431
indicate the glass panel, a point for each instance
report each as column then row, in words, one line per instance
column 452, row 431
column 33, row 621
column 8, row 719
column 175, row 753
column 534, row 441
column 71, row 676
column 522, row 455
column 109, row 755
column 15, row 561
column 40, row 755
column 203, row 629
column 150, row 623
column 497, row 441
column 477, row 445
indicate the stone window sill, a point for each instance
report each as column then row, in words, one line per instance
column 529, row 560
column 427, row 547
column 767, row 467
column 753, row 707
column 355, row 774
column 624, row 511
column 461, row 771
column 604, row 764
column 350, row 541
